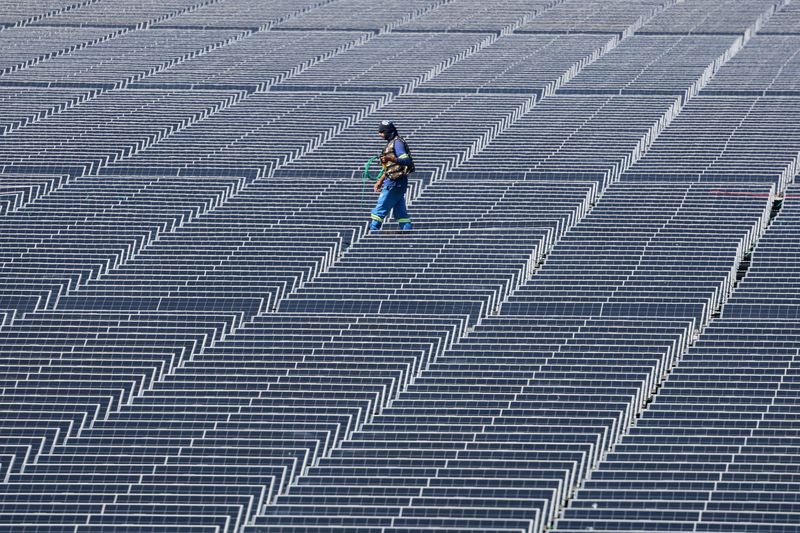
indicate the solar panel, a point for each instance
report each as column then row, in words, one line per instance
column 591, row 326
column 720, row 413
column 246, row 14
column 777, row 51
column 697, row 17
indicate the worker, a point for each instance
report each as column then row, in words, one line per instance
column 392, row 185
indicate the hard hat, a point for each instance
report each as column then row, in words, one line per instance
column 388, row 128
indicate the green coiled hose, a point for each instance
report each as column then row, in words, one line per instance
column 367, row 176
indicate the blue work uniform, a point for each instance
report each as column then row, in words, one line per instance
column 393, row 193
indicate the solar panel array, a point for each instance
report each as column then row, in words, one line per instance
column 784, row 21
column 592, row 326
column 716, row 450
column 751, row 137
column 767, row 66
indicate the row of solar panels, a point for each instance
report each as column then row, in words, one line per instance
column 509, row 417
column 717, row 449
column 550, row 165
column 742, row 138
column 730, row 16
column 745, row 136
column 168, row 420
column 165, row 59
column 622, row 259
column 335, row 356
column 417, row 15
column 170, row 132
column 61, row 242
column 171, row 57
column 768, row 289
column 350, row 60
column 642, row 64
column 142, row 368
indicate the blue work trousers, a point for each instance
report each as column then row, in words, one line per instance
column 391, row 199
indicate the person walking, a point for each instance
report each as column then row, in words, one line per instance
column 393, row 184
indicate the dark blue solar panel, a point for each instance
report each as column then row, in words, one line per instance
column 199, row 334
